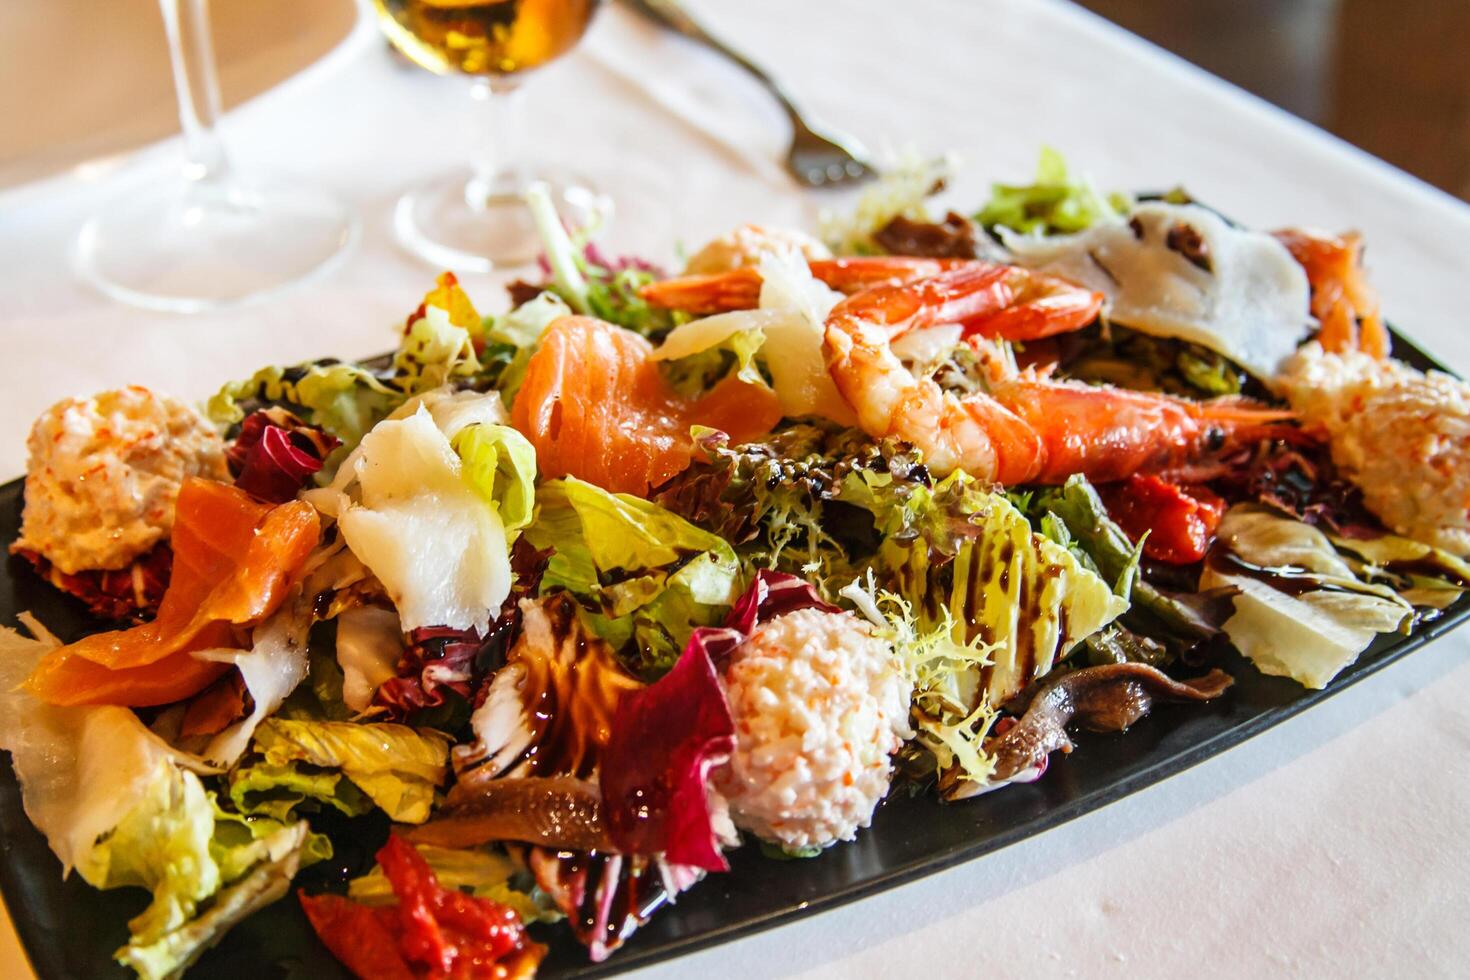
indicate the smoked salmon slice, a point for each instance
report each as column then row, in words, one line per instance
column 70, row 680
column 234, row 561
column 1345, row 305
column 597, row 407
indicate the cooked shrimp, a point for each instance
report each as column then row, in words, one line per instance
column 1342, row 301
column 989, row 299
column 1027, row 429
column 740, row 289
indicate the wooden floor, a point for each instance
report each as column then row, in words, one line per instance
column 1392, row 76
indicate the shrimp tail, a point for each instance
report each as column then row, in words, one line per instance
column 740, row 289
column 720, row 292
column 1108, row 433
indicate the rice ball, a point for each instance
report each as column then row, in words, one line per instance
column 820, row 704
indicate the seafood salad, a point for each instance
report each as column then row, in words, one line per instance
column 518, row 631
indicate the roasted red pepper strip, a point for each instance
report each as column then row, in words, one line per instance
column 358, row 936
column 433, row 932
column 416, row 887
column 1180, row 523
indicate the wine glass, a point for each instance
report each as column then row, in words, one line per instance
column 210, row 239
column 475, row 218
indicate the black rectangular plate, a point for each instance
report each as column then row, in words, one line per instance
column 70, row 930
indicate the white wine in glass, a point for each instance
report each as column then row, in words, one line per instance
column 484, row 37
column 210, row 238
column 475, row 218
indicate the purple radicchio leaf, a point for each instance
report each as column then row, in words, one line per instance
column 669, row 737
column 276, row 453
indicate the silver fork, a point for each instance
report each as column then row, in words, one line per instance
column 818, row 157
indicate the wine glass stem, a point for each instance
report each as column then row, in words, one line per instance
column 497, row 169
column 196, row 82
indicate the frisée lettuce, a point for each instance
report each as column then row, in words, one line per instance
column 948, row 721
column 900, row 191
column 1025, row 597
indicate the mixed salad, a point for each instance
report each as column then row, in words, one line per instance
column 547, row 611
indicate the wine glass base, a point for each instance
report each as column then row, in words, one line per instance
column 191, row 248
column 446, row 224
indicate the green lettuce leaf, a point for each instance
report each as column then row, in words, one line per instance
column 434, row 351
column 511, row 339
column 395, row 766
column 524, row 325
column 501, row 465
column 598, row 533
column 980, row 607
column 1055, row 203
column 1421, row 574
column 241, row 841
column 643, row 573
column 698, row 372
column 344, row 399
column 276, row 790
column 81, row 769
column 163, row 845
column 282, row 852
column 180, row 846
column 347, row 399
column 1100, row 542
column 1027, row 599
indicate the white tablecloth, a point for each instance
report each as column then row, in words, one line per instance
column 1330, row 846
